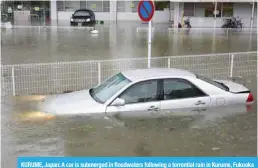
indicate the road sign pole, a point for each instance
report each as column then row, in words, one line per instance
column 149, row 44
column 146, row 9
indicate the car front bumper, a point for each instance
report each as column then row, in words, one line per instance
column 82, row 23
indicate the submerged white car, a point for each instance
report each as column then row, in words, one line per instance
column 150, row 91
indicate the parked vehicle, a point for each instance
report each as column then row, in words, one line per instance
column 150, row 90
column 187, row 23
column 232, row 23
column 82, row 17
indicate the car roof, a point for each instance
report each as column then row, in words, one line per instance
column 140, row 74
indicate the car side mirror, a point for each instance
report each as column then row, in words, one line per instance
column 118, row 102
column 72, row 15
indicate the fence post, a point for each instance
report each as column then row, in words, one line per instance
column 13, row 81
column 231, row 65
column 168, row 62
column 99, row 72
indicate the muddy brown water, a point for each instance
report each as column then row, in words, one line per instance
column 116, row 41
column 25, row 133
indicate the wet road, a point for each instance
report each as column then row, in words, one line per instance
column 124, row 40
column 25, row 132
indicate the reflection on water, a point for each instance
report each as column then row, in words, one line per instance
column 230, row 131
column 125, row 40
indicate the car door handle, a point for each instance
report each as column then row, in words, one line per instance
column 199, row 103
column 153, row 108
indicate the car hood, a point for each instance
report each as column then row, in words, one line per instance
column 79, row 102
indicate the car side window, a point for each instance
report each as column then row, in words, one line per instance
column 141, row 92
column 179, row 89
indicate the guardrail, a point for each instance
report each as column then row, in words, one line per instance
column 50, row 78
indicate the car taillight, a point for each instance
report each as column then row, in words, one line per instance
column 250, row 98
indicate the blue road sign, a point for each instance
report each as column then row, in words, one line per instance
column 146, row 10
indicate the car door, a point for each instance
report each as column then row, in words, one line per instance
column 140, row 99
column 181, row 97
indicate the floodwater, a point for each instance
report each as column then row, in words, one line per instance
column 27, row 132
column 122, row 40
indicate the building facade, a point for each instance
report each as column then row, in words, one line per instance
column 200, row 12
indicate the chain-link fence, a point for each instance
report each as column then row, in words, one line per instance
column 47, row 78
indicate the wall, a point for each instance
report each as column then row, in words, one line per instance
column 199, row 20
column 21, row 18
column 243, row 10
column 159, row 16
column 63, row 17
column 127, row 16
column 206, row 22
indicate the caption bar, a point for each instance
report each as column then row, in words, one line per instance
column 137, row 162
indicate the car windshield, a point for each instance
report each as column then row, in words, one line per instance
column 81, row 13
column 215, row 83
column 109, row 87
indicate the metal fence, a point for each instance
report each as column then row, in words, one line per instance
column 50, row 78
